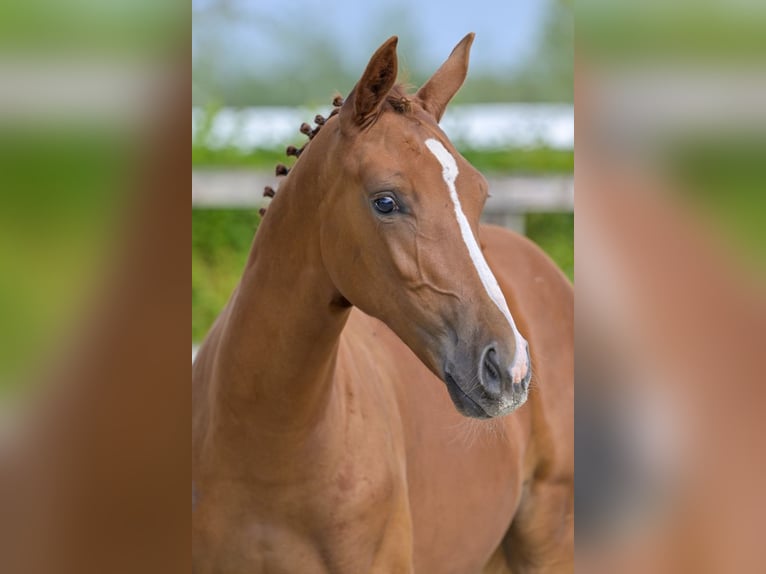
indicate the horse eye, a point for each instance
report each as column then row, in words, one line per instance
column 385, row 205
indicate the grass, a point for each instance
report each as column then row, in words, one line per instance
column 221, row 241
column 554, row 232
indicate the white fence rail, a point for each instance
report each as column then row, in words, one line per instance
column 477, row 126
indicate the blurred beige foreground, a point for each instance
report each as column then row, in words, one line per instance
column 91, row 468
column 93, row 257
column 670, row 320
column 669, row 411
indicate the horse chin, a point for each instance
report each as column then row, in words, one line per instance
column 478, row 408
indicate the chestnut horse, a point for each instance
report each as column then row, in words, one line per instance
column 323, row 439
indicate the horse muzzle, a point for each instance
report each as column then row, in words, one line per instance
column 490, row 386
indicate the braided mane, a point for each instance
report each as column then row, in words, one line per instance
column 397, row 100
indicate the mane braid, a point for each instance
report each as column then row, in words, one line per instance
column 292, row 151
column 398, row 99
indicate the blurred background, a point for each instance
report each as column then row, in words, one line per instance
column 262, row 68
column 93, row 416
column 77, row 86
column 671, row 141
column 670, row 306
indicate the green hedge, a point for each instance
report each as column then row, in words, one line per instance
column 221, row 240
column 535, row 160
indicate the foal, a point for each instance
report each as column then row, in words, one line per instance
column 323, row 438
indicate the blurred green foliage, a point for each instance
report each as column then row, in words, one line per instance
column 231, row 156
column 554, row 232
column 515, row 160
column 547, row 75
column 125, row 28
column 665, row 31
column 534, row 160
column 723, row 175
column 221, row 240
column 59, row 197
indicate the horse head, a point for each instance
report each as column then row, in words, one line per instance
column 398, row 232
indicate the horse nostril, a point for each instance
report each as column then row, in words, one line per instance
column 490, row 373
column 524, row 383
column 528, row 376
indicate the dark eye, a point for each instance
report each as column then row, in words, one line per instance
column 385, row 205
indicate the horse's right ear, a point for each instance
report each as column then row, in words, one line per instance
column 365, row 100
column 438, row 91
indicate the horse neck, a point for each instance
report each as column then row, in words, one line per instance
column 279, row 340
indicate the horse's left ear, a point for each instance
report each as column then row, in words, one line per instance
column 365, row 100
column 437, row 92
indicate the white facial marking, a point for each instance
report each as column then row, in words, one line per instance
column 450, row 173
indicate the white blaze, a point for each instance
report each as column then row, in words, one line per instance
column 450, row 172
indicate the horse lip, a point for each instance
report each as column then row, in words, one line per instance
column 460, row 397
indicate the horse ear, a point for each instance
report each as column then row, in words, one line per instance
column 365, row 100
column 437, row 92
